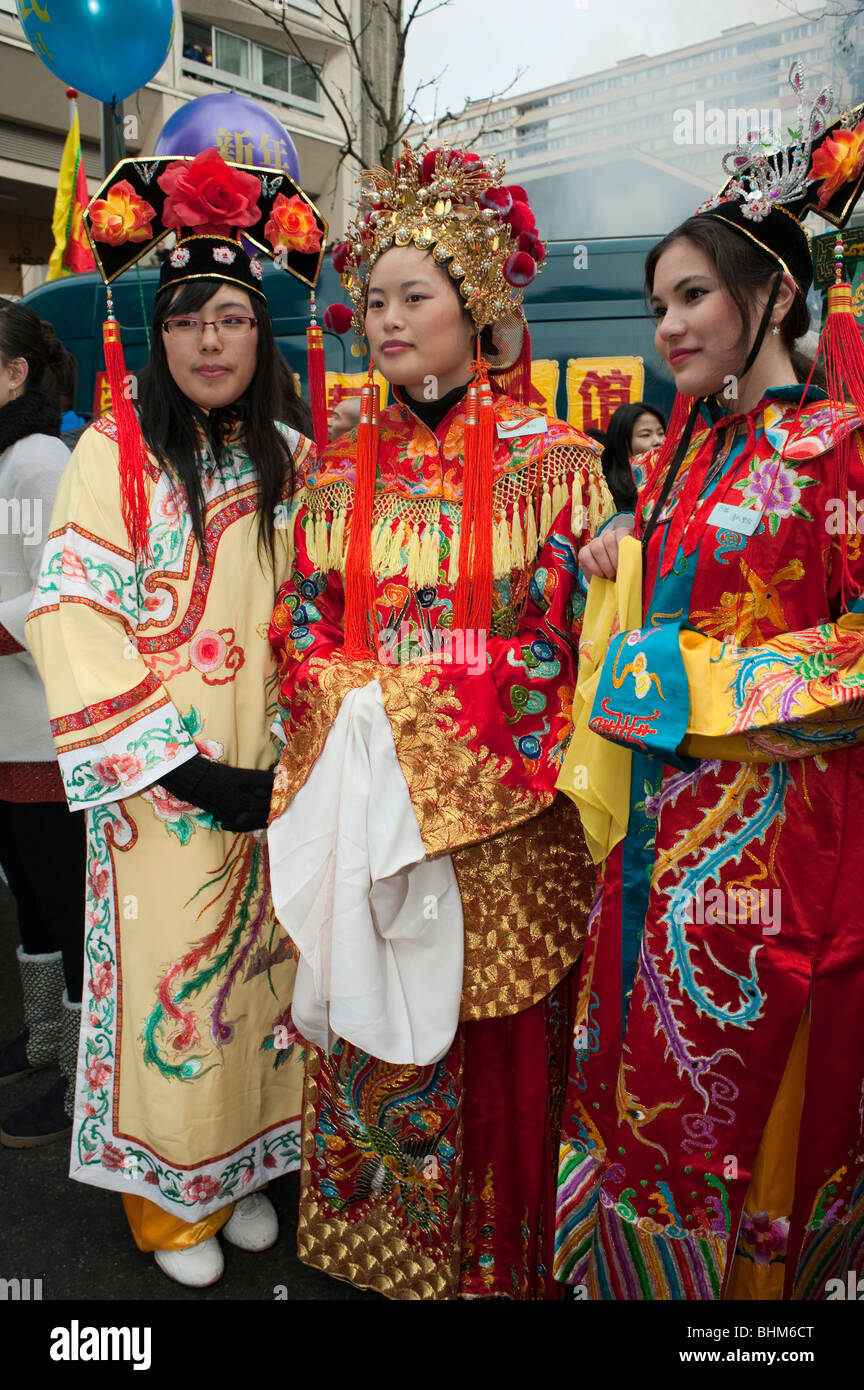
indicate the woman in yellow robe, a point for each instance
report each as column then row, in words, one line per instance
column 161, row 689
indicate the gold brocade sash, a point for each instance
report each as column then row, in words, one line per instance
column 596, row 773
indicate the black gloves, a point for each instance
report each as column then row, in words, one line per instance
column 237, row 797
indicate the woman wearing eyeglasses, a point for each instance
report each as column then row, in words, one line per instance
column 149, row 625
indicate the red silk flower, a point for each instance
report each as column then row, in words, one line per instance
column 530, row 242
column 517, row 193
column 338, row 318
column 339, row 256
column 121, row 216
column 451, row 157
column 208, row 195
column 498, row 199
column 292, row 225
column 521, row 219
column 519, row 269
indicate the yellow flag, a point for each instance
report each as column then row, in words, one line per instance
column 71, row 250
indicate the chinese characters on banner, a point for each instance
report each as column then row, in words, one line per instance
column 342, row 384
column 596, row 386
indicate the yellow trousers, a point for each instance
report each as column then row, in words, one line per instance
column 155, row 1229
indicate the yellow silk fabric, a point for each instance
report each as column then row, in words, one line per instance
column 772, row 1184
column 596, row 773
column 155, row 1229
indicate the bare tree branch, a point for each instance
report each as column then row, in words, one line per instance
column 381, row 90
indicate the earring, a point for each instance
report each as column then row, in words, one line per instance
column 775, row 329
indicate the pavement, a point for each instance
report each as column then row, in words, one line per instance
column 75, row 1238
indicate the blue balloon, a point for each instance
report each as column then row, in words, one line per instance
column 106, row 48
column 242, row 130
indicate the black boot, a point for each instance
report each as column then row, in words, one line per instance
column 43, row 1122
column 50, row 1118
column 14, row 1061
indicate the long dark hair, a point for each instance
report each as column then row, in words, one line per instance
column 50, row 368
column 169, row 418
column 617, row 451
column 744, row 272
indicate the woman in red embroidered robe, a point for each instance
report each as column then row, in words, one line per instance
column 712, row 1139
column 434, row 1181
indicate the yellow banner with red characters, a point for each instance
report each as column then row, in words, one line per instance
column 596, row 386
column 338, row 385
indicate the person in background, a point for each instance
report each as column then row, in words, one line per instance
column 344, row 416
column 42, row 846
column 633, row 430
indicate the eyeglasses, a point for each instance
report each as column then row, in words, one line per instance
column 233, row 326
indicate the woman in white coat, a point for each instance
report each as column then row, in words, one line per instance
column 42, row 845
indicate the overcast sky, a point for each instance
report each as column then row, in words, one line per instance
column 484, row 42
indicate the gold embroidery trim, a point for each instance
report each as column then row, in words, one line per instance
column 456, row 785
column 526, row 895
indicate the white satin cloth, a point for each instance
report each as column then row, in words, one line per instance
column 378, row 926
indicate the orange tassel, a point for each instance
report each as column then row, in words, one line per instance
column 130, row 441
column 472, row 606
column 359, row 593
column 315, row 368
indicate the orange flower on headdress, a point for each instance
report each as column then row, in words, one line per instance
column 838, row 160
column 292, row 225
column 121, row 216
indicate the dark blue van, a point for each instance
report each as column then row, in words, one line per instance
column 587, row 304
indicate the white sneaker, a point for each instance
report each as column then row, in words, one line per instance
column 197, row 1266
column 254, row 1224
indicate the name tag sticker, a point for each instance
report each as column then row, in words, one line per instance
column 744, row 520
column 535, row 426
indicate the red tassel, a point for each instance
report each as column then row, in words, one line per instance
column 130, row 440
column 515, row 380
column 842, row 352
column 315, row 369
column 678, row 417
column 359, row 593
column 472, row 606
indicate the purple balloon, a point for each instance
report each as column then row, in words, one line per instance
column 242, row 130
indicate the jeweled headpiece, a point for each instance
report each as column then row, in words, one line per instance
column 774, row 184
column 455, row 205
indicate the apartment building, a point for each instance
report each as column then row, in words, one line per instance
column 635, row 147
column 218, row 45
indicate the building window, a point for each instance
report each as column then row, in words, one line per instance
column 275, row 69
column 252, row 63
column 197, row 41
column 232, row 54
column 304, row 82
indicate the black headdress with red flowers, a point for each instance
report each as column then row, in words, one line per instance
column 223, row 214
column 209, row 204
